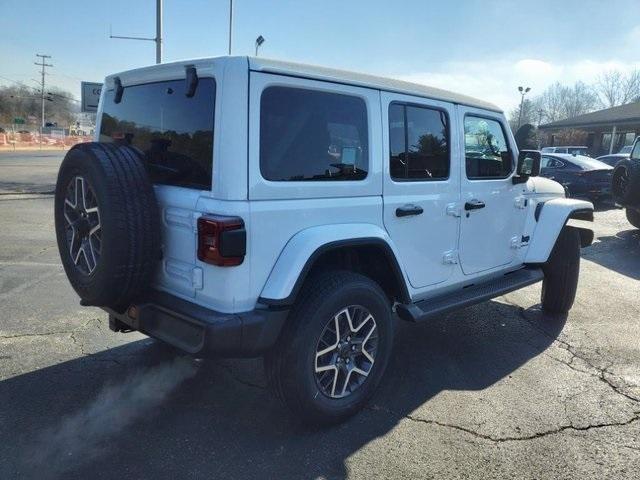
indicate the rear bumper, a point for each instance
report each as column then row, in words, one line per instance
column 198, row 330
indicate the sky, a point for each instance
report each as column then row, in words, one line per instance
column 481, row 48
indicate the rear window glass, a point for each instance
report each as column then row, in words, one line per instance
column 588, row 163
column 174, row 132
column 311, row 135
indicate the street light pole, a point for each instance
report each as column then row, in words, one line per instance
column 158, row 37
column 230, row 23
column 158, row 31
column 259, row 42
column 523, row 92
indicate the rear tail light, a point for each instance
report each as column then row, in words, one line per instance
column 222, row 241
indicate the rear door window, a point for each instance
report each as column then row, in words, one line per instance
column 309, row 135
column 173, row 132
column 419, row 143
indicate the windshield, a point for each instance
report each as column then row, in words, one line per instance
column 173, row 131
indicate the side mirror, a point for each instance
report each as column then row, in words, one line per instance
column 528, row 165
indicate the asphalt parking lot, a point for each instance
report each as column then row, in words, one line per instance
column 498, row 390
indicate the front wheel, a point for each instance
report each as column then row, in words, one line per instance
column 561, row 272
column 633, row 216
column 334, row 349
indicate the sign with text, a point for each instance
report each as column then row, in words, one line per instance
column 90, row 96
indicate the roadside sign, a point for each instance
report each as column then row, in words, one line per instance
column 90, row 96
column 18, row 121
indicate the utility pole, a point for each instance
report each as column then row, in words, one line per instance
column 43, row 65
column 158, row 37
column 230, row 23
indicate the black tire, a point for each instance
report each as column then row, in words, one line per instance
column 625, row 182
column 290, row 365
column 633, row 216
column 561, row 273
column 129, row 240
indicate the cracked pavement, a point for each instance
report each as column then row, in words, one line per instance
column 498, row 390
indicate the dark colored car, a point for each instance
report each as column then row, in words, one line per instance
column 612, row 159
column 581, row 176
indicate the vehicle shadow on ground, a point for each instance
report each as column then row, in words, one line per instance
column 222, row 423
column 619, row 252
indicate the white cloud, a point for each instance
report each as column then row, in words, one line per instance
column 498, row 81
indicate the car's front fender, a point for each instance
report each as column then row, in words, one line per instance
column 552, row 216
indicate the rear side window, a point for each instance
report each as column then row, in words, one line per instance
column 487, row 153
column 174, row 132
column 418, row 143
column 312, row 135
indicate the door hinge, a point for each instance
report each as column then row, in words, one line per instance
column 450, row 257
column 454, row 210
column 521, row 202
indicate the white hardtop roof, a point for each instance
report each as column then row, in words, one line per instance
column 314, row 72
column 365, row 80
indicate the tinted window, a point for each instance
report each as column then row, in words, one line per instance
column 588, row 163
column 487, row 153
column 635, row 153
column 418, row 143
column 312, row 135
column 174, row 132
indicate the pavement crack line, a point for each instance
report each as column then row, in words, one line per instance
column 238, row 379
column 71, row 332
column 563, row 344
column 490, row 438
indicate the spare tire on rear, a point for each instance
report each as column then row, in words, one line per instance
column 625, row 183
column 107, row 223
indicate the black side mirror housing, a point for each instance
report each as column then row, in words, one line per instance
column 528, row 165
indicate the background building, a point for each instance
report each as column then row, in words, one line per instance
column 604, row 131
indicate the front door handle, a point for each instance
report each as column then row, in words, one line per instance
column 474, row 205
column 407, row 210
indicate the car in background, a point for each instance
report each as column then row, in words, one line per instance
column 573, row 150
column 626, row 149
column 613, row 159
column 625, row 184
column 581, row 176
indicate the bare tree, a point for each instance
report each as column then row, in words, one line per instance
column 617, row 88
column 528, row 115
column 559, row 101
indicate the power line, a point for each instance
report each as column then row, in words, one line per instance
column 43, row 65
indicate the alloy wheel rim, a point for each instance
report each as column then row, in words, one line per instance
column 346, row 352
column 83, row 227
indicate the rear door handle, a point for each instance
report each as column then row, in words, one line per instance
column 474, row 204
column 408, row 210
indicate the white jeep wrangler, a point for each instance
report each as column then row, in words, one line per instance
column 241, row 207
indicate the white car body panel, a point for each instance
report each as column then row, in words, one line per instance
column 287, row 221
column 302, row 246
column 553, row 217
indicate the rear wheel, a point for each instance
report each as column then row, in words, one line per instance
column 334, row 349
column 561, row 273
column 633, row 216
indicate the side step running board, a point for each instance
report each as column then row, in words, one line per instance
column 470, row 295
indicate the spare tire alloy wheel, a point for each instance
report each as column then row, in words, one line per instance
column 83, row 228
column 346, row 352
